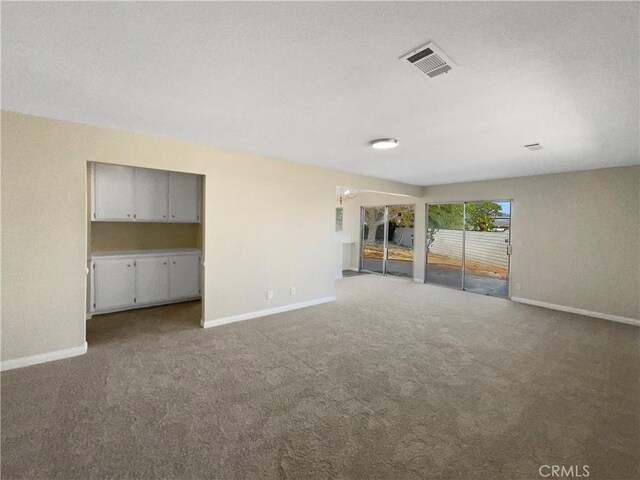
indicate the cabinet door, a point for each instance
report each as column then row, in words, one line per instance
column 184, row 278
column 184, row 197
column 152, row 279
column 152, row 195
column 114, row 197
column 114, row 283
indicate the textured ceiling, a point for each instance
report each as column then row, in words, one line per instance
column 314, row 82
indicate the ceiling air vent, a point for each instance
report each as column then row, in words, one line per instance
column 429, row 61
column 533, row 147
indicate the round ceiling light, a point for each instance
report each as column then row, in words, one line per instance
column 384, row 143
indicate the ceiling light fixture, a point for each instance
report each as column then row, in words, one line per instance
column 384, row 143
column 345, row 194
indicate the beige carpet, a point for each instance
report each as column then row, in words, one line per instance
column 393, row 381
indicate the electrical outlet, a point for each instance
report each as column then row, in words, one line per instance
column 269, row 294
column 293, row 290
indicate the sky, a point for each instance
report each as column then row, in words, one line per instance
column 506, row 207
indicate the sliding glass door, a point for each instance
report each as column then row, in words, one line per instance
column 468, row 246
column 400, row 229
column 373, row 235
column 486, row 252
column 445, row 244
column 387, row 240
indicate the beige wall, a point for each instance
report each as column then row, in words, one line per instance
column 575, row 236
column 113, row 236
column 281, row 213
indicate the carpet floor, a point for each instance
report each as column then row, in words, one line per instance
column 395, row 380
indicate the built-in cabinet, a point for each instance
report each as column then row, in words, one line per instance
column 184, row 197
column 114, row 194
column 114, row 283
column 151, row 195
column 124, row 280
column 130, row 194
column 152, row 279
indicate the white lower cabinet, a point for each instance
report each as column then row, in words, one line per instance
column 184, row 277
column 152, row 279
column 114, row 281
column 124, row 280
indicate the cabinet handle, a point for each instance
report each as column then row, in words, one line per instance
column 164, row 216
column 128, row 214
column 173, row 216
column 174, row 262
column 128, row 265
column 164, row 263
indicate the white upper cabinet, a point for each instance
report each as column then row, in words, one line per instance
column 184, row 276
column 114, row 283
column 184, row 197
column 128, row 194
column 152, row 195
column 114, row 193
column 152, row 279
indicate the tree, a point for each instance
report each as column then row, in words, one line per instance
column 399, row 216
column 373, row 217
column 481, row 216
column 402, row 215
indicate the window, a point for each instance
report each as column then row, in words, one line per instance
column 339, row 219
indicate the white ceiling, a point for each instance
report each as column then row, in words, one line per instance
column 314, row 82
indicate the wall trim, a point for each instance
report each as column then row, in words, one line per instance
column 263, row 313
column 43, row 358
column 579, row 311
column 418, row 280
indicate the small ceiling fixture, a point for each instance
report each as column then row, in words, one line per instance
column 533, row 147
column 384, row 143
column 345, row 194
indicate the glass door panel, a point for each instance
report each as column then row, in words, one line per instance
column 445, row 244
column 373, row 233
column 400, row 230
column 487, row 239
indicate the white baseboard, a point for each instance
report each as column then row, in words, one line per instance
column 43, row 358
column 579, row 311
column 418, row 280
column 353, row 269
column 263, row 313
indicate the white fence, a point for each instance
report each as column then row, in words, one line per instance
column 403, row 236
column 489, row 248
